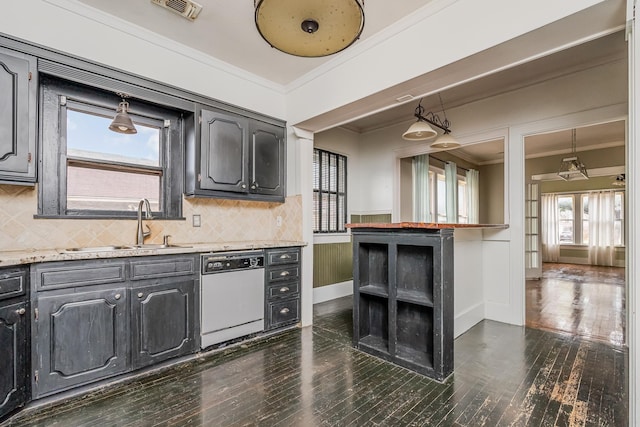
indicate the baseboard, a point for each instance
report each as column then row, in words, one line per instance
column 329, row 292
column 467, row 319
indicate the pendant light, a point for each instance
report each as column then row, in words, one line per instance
column 122, row 123
column 422, row 130
column 571, row 168
column 310, row 28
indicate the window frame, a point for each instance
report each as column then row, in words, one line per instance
column 58, row 95
column 340, row 225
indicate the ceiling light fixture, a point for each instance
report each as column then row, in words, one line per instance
column 422, row 130
column 311, row 28
column 571, row 168
column 122, row 123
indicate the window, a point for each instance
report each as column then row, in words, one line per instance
column 438, row 196
column 329, row 192
column 90, row 171
column 565, row 219
column 574, row 219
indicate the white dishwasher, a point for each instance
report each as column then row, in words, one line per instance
column 232, row 296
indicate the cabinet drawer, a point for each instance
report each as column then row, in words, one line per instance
column 283, row 312
column 289, row 272
column 65, row 274
column 12, row 283
column 156, row 267
column 283, row 256
column 283, row 290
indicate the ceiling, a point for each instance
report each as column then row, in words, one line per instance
column 225, row 29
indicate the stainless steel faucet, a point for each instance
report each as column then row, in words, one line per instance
column 141, row 233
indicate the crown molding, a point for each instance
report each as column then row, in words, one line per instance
column 78, row 8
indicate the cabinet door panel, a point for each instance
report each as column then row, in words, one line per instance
column 17, row 117
column 223, row 152
column 13, row 368
column 267, row 149
column 80, row 338
column 163, row 319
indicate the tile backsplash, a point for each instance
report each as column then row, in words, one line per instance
column 221, row 221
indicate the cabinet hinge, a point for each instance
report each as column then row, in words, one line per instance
column 36, row 376
column 63, row 100
column 29, row 158
column 200, row 120
column 167, row 123
column 30, row 76
column 35, row 311
column 199, row 178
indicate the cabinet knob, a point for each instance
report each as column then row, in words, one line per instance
column 284, row 273
column 21, row 312
column 243, row 186
column 253, row 187
column 140, row 294
column 284, row 310
column 118, row 296
column 284, row 289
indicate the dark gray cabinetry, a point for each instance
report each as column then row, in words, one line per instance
column 14, row 326
column 282, row 284
column 163, row 308
column 403, row 297
column 236, row 157
column 79, row 337
column 18, row 89
column 100, row 318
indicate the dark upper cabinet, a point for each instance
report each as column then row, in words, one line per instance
column 224, row 149
column 79, row 337
column 163, row 320
column 18, row 91
column 267, row 159
column 13, row 358
column 234, row 156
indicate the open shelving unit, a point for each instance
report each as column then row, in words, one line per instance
column 403, row 297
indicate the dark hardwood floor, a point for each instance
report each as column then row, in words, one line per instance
column 583, row 300
column 504, row 375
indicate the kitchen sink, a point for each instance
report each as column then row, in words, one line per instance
column 157, row 246
column 109, row 248
column 99, row 248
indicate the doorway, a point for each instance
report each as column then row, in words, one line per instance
column 574, row 232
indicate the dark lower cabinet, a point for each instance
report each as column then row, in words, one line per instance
column 79, row 338
column 13, row 356
column 163, row 321
column 282, row 287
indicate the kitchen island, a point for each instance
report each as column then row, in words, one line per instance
column 403, row 276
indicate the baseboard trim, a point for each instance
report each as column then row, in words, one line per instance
column 329, row 292
column 467, row 319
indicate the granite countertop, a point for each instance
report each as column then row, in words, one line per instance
column 21, row 257
column 424, row 225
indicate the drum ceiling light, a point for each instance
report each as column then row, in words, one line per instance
column 309, row 28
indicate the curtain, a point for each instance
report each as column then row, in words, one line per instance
column 601, row 220
column 451, row 184
column 421, row 199
column 550, row 231
column 473, row 196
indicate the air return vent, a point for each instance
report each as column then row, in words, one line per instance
column 186, row 8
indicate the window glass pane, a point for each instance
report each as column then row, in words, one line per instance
column 617, row 233
column 316, row 170
column 316, row 211
column 441, row 201
column 585, row 219
column 565, row 222
column 96, row 189
column 330, row 183
column 89, row 137
column 463, row 213
column 618, row 208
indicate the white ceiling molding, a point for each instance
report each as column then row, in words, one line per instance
column 103, row 18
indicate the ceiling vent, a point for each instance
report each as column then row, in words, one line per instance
column 186, row 8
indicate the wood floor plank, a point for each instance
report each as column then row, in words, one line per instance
column 503, row 375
